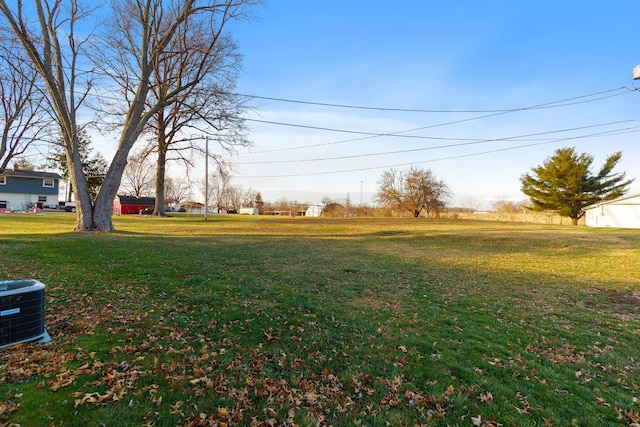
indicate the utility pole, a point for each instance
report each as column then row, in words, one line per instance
column 636, row 72
column 206, row 179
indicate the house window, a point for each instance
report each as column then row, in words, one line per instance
column 3, row 204
column 48, row 182
column 3, row 180
column 42, row 199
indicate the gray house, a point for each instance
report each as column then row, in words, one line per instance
column 25, row 189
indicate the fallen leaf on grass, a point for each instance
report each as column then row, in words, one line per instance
column 175, row 409
column 157, row 401
column 486, row 397
column 477, row 421
column 7, row 408
column 391, row 399
column 633, row 418
column 64, row 379
column 197, row 380
column 87, row 398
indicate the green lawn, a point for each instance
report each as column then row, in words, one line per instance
column 307, row 321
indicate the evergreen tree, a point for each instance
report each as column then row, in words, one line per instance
column 94, row 166
column 566, row 184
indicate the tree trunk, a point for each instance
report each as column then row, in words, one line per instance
column 84, row 210
column 574, row 220
column 160, row 175
column 103, row 206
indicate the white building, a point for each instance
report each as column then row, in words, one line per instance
column 249, row 211
column 315, row 210
column 623, row 212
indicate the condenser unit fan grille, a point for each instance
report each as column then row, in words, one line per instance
column 21, row 311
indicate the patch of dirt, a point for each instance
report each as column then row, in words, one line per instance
column 621, row 298
column 619, row 302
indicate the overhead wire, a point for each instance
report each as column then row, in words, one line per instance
column 430, row 160
column 371, row 135
column 411, row 110
column 402, row 134
column 489, row 113
column 468, row 142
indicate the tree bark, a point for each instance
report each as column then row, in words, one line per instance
column 161, row 167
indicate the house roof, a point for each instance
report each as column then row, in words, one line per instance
column 633, row 199
column 132, row 200
column 20, row 173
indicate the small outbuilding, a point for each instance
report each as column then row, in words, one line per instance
column 623, row 212
column 329, row 210
column 124, row 205
column 315, row 209
column 249, row 211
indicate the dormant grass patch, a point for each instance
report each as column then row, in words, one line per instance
column 309, row 321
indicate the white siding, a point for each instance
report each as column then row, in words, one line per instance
column 248, row 211
column 620, row 213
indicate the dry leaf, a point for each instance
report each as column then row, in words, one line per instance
column 486, row 397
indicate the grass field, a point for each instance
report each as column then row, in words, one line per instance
column 309, row 321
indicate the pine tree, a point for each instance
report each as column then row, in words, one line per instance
column 566, row 184
column 94, row 166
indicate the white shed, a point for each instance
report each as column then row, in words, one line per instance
column 249, row 211
column 315, row 210
column 623, row 212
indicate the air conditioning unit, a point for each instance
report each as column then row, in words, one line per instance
column 21, row 312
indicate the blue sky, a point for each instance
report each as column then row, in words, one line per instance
column 427, row 55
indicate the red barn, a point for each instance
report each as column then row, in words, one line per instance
column 123, row 205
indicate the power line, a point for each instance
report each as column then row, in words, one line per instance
column 469, row 142
column 559, row 103
column 420, row 162
column 399, row 134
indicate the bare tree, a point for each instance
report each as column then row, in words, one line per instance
column 176, row 190
column 192, row 76
column 470, row 203
column 54, row 51
column 502, row 205
column 232, row 197
column 219, row 180
column 140, row 37
column 25, row 118
column 208, row 111
column 138, row 176
column 24, row 164
column 414, row 190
